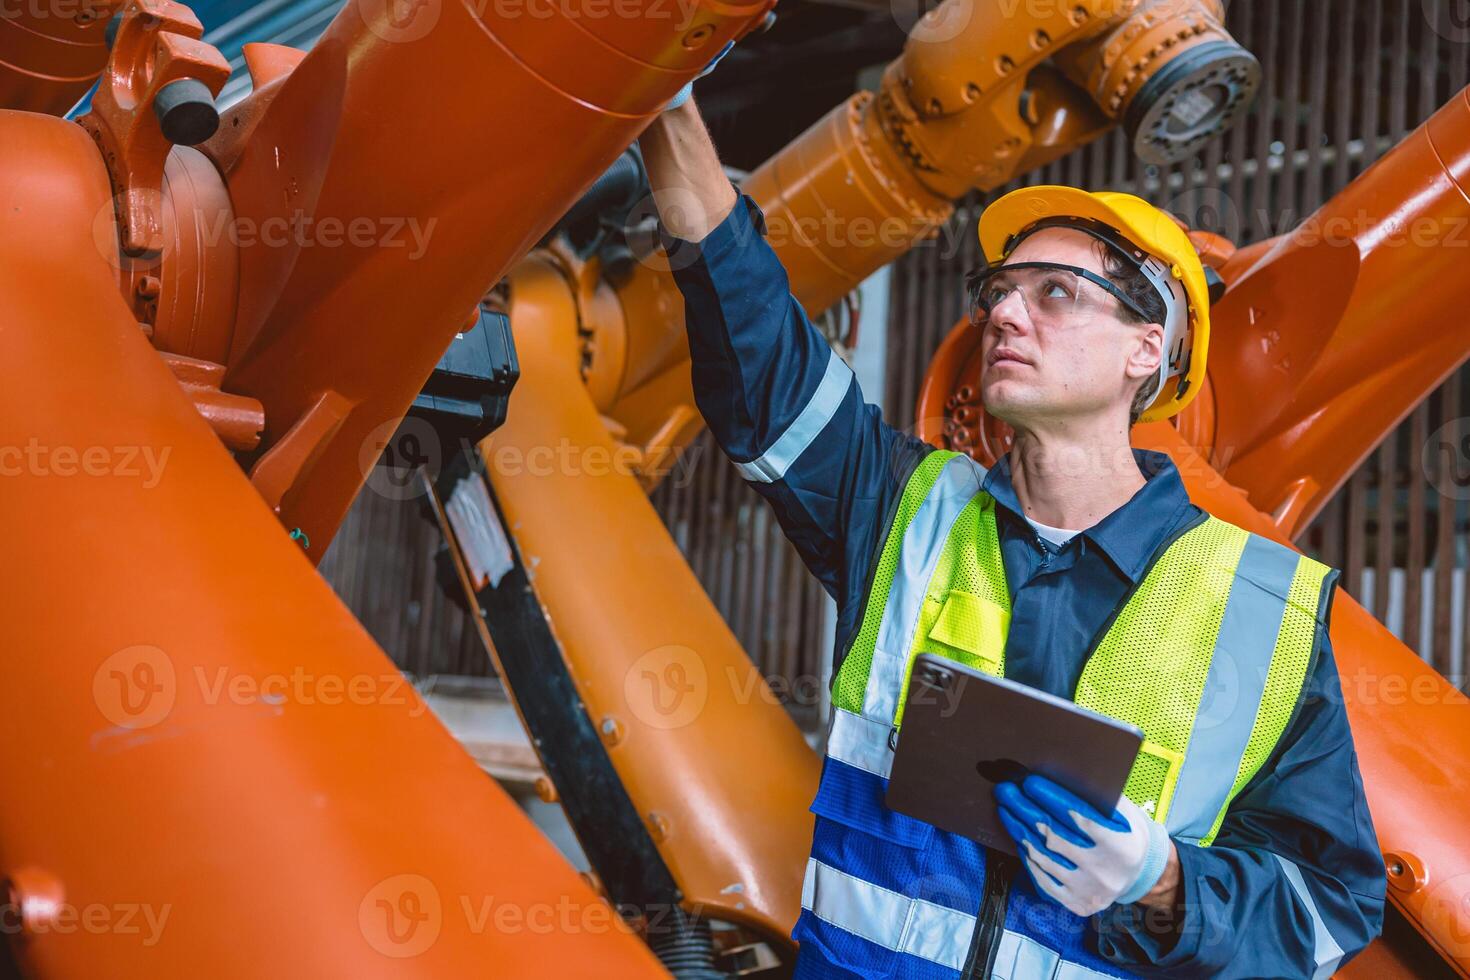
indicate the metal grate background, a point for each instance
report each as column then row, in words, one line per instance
column 1344, row 80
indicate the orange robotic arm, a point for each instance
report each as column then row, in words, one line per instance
column 198, row 730
column 1337, row 331
column 51, row 51
column 983, row 93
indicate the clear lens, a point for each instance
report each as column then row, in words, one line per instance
column 1049, row 293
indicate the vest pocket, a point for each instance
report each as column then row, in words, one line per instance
column 853, row 799
column 970, row 629
column 1152, row 779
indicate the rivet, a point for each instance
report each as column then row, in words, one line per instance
column 658, row 826
column 698, row 36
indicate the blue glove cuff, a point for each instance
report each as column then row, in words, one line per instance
column 680, row 97
column 1154, row 861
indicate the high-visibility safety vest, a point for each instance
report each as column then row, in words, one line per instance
column 1208, row 655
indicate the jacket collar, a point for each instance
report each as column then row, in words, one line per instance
column 1130, row 535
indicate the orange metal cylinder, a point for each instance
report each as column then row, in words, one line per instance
column 388, row 135
column 209, row 765
column 51, row 51
column 1326, row 342
column 984, row 93
column 840, row 202
column 702, row 740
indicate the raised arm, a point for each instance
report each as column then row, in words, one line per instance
column 779, row 401
column 690, row 188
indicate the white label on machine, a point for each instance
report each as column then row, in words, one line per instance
column 482, row 540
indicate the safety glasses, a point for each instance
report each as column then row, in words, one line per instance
column 1050, row 291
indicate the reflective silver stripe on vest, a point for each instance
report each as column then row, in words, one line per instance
column 957, row 483
column 918, row 928
column 1326, row 952
column 932, row 932
column 1020, row 957
column 860, row 742
column 1233, row 687
column 773, row 464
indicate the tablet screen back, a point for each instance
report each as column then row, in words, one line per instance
column 964, row 731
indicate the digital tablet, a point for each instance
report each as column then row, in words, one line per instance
column 963, row 731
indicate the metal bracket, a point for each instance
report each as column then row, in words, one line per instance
column 158, row 45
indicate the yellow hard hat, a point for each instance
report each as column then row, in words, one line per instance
column 1145, row 234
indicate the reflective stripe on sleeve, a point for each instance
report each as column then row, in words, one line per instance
column 774, row 462
column 1326, row 952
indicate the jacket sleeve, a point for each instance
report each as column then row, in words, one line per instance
column 785, row 407
column 1293, row 885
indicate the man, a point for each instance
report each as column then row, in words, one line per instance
column 1243, row 846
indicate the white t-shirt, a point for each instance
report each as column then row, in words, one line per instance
column 1056, row 535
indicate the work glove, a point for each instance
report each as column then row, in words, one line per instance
column 1075, row 855
column 682, row 96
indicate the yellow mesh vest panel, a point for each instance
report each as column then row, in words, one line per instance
column 966, row 612
column 1150, row 667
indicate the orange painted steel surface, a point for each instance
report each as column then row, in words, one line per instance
column 51, row 51
column 1329, row 339
column 700, row 741
column 196, row 726
column 1285, row 335
column 388, row 138
column 983, row 93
